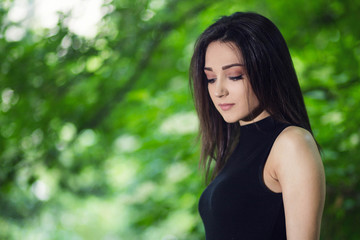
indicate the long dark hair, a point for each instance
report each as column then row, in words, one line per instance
column 272, row 77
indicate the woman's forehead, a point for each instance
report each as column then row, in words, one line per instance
column 222, row 53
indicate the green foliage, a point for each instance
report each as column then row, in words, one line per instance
column 98, row 136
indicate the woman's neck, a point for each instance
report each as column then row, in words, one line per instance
column 259, row 117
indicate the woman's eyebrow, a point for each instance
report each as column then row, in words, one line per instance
column 232, row 65
column 226, row 66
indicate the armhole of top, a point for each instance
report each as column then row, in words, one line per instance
column 262, row 165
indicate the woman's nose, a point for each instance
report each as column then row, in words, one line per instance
column 220, row 89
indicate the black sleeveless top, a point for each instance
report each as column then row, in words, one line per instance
column 237, row 204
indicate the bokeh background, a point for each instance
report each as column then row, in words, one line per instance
column 97, row 125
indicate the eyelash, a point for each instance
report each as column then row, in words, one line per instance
column 236, row 78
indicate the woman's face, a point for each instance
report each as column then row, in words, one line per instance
column 228, row 83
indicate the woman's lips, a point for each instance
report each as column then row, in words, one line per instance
column 226, row 106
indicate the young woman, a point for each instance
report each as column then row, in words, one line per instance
column 268, row 180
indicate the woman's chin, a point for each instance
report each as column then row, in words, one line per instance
column 231, row 120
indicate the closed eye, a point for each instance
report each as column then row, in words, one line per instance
column 237, row 77
column 211, row 80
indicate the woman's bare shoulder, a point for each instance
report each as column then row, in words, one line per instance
column 295, row 139
column 295, row 149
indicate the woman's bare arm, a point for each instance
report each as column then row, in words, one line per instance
column 300, row 172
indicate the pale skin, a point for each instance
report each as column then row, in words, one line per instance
column 294, row 165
